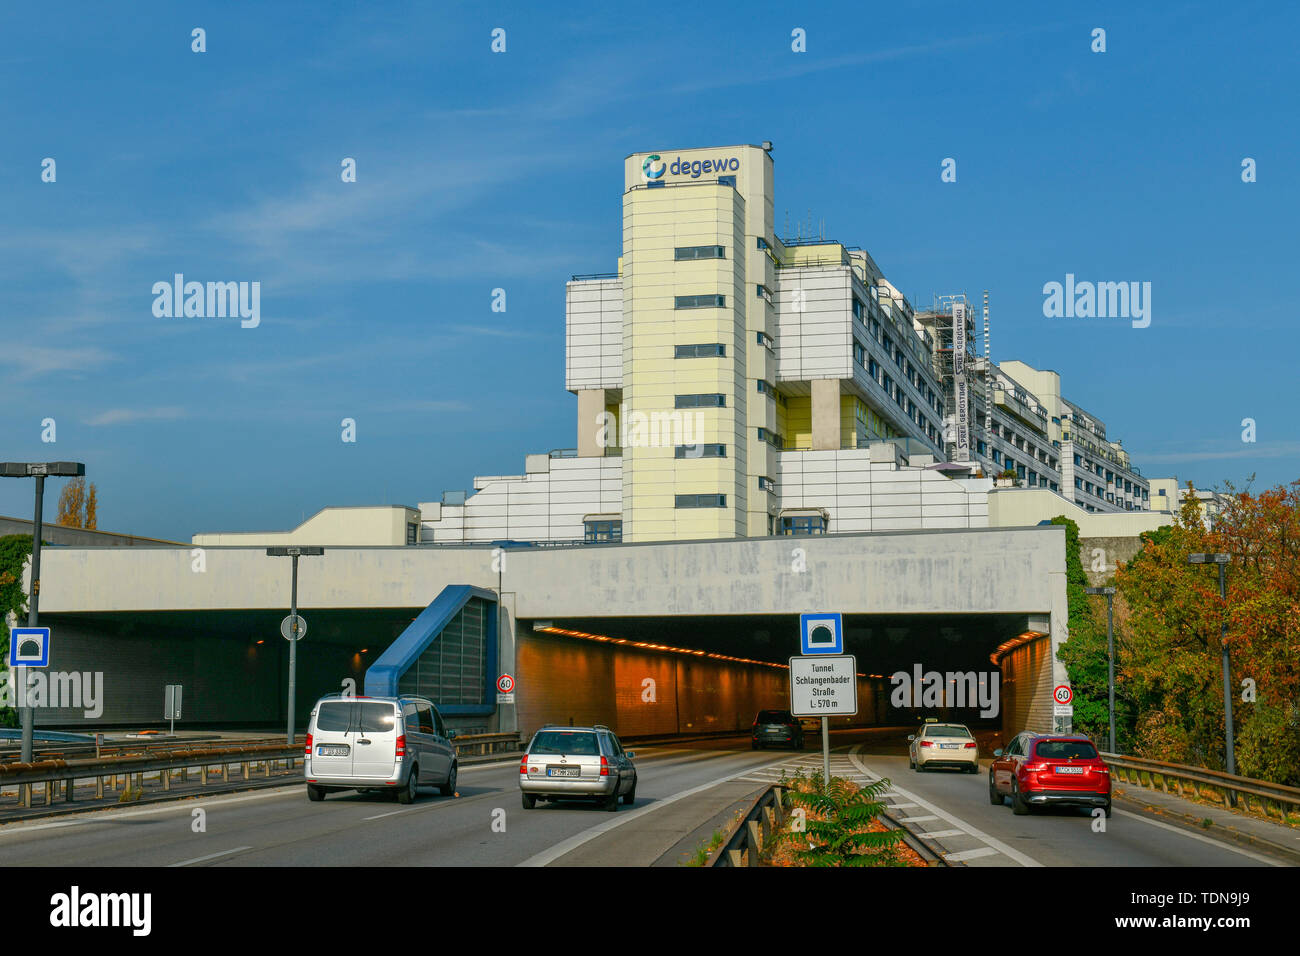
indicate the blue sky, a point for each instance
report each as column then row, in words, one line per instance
column 479, row 170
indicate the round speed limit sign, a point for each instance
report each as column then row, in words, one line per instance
column 1063, row 694
column 505, row 683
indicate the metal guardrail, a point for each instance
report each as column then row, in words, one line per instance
column 766, row 816
column 121, row 768
column 1228, row 786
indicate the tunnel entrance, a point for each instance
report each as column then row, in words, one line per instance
column 650, row 675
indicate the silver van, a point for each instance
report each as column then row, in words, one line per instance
column 395, row 744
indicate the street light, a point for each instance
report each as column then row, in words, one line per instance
column 40, row 471
column 1110, row 654
column 1222, row 561
column 294, row 553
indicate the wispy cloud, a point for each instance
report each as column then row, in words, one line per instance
column 33, row 361
column 1277, row 449
column 125, row 416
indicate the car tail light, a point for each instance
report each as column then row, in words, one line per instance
column 307, row 751
column 971, row 746
column 926, row 743
column 604, row 767
column 1036, row 767
column 401, row 746
column 523, row 764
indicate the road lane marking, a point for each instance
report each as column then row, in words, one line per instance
column 917, row 819
column 1198, row 836
column 546, row 857
column 1021, row 858
column 183, row 806
column 210, row 856
column 936, row 834
column 970, row 854
column 900, row 806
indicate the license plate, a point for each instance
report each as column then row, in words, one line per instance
column 564, row 771
column 949, row 746
column 1069, row 770
column 328, row 750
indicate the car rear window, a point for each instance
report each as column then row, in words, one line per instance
column 370, row 717
column 946, row 730
column 1065, row 750
column 577, row 742
column 775, row 717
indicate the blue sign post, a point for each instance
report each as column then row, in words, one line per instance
column 821, row 633
column 29, row 647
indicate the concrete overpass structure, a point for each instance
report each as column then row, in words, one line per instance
column 580, row 628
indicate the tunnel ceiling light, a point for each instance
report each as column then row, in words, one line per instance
column 665, row 648
column 1020, row 639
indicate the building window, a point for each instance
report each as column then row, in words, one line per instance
column 764, row 293
column 701, row 451
column 700, row 401
column 700, row 252
column 699, row 302
column 762, row 243
column 859, row 353
column 803, row 524
column 997, row 457
column 858, row 308
column 872, row 368
column 764, row 339
column 596, row 531
column 1078, row 483
column 771, row 437
column 700, row 501
column 699, row 351
column 727, row 181
column 766, row 484
column 412, row 534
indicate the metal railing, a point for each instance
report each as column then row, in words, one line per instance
column 765, row 817
column 1227, row 787
column 120, row 769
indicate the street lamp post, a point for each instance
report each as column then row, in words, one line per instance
column 294, row 553
column 1110, row 654
column 40, row 471
column 1222, row 561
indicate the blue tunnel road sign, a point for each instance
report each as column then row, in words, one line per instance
column 821, row 633
column 29, row 647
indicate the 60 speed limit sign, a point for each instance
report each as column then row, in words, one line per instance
column 1063, row 694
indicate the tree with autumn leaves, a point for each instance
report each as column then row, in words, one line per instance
column 1168, row 615
column 78, row 505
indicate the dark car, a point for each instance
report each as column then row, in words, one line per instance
column 776, row 727
column 1044, row 769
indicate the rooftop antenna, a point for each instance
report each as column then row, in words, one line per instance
column 988, row 370
column 787, row 222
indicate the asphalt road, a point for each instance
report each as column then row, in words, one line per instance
column 680, row 789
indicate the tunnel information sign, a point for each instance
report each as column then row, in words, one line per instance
column 823, row 686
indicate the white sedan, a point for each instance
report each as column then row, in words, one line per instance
column 943, row 745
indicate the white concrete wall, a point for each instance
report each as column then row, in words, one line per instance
column 354, row 527
column 863, row 496
column 1020, row 507
column 540, row 506
column 593, row 334
column 815, row 342
column 991, row 570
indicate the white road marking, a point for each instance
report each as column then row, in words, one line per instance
column 917, row 819
column 900, row 806
column 970, row 854
column 1197, row 836
column 936, row 834
column 210, row 856
column 546, row 857
column 180, row 806
column 1021, row 858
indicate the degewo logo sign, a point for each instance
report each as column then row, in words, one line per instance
column 653, row 167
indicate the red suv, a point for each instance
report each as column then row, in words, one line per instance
column 1041, row 769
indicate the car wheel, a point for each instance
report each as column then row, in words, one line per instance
column 611, row 802
column 448, row 789
column 408, row 793
column 995, row 798
column 911, row 764
column 529, row 800
column 315, row 793
column 1107, row 809
column 973, row 768
column 1018, row 805
column 630, row 797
